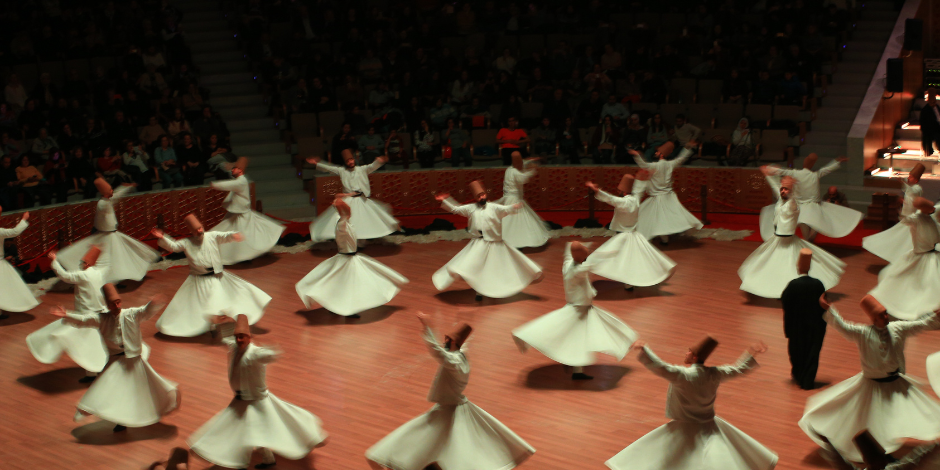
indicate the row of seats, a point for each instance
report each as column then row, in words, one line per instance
column 59, row 70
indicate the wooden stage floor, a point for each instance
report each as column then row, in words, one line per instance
column 366, row 377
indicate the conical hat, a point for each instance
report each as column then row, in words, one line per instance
column 348, row 155
column 704, row 348
column 460, row 334
column 917, row 171
column 578, row 248
column 192, row 222
column 626, row 184
column 666, row 149
column 517, row 162
column 102, row 185
column 241, row 163
column 110, row 292
column 476, row 187
column 810, row 161
column 91, row 256
column 871, row 306
column 805, row 261
column 241, row 325
column 924, row 205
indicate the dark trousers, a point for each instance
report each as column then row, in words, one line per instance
column 602, row 156
column 803, row 349
column 426, row 158
column 571, row 151
column 461, row 154
column 928, row 138
column 506, row 153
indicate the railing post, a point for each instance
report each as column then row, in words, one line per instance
column 60, row 242
column 590, row 196
column 161, row 222
column 704, row 196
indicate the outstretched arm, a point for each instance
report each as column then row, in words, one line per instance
column 120, row 192
column 329, row 168
column 745, row 363
column 71, row 277
column 441, row 355
column 460, row 209
column 684, row 155
column 832, row 166
column 375, row 165
column 851, row 331
column 15, row 231
column 912, row 327
column 638, row 159
column 167, row 242
column 226, row 185
column 657, row 366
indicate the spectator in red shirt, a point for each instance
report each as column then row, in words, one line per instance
column 511, row 139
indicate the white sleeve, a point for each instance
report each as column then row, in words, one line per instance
column 657, row 366
column 15, row 231
column 684, row 155
column 375, row 165
column 851, row 331
column 71, row 277
column 168, row 243
column 335, row 169
column 745, row 364
column 451, row 205
column 226, row 185
column 121, row 192
column 832, row 166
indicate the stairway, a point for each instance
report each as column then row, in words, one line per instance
column 844, row 95
column 234, row 94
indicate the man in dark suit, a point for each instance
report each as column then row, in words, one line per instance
column 803, row 322
column 930, row 122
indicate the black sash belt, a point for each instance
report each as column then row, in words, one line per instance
column 210, row 273
column 784, row 236
column 238, row 395
column 890, row 378
column 349, row 254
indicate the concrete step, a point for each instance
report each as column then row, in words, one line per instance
column 269, row 173
column 208, row 24
column 846, row 89
column 837, row 113
column 254, row 137
column 215, row 68
column 907, row 134
column 199, row 15
column 202, row 58
column 824, row 151
column 866, row 45
column 851, row 78
column 275, row 204
column 843, row 101
column 271, row 148
column 222, row 45
column 239, row 125
column 233, row 89
column 824, row 137
column 225, row 78
column 288, row 184
column 856, row 67
column 268, row 160
column 861, row 55
column 234, row 101
column 870, row 35
column 244, row 112
column 833, row 125
column 201, row 36
column 885, row 25
column 908, row 143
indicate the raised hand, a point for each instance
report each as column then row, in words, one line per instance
column 757, row 348
column 238, row 237
column 824, row 303
column 766, row 170
column 51, row 255
column 441, row 197
column 592, row 186
column 383, row 159
column 57, row 311
column 313, row 160
column 156, row 232
column 638, row 345
column 633, row 152
column 423, row 318
column 25, row 216
column 842, row 159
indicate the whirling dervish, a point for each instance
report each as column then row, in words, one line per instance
column 84, row 345
column 574, row 334
column 816, row 215
column 910, row 286
column 261, row 232
column 255, row 418
column 767, row 271
column 893, row 243
column 16, row 294
column 129, row 393
column 209, row 289
column 882, row 398
column 489, row 265
column 662, row 214
column 122, row 257
column 696, row 438
column 349, row 282
column 454, row 434
column 524, row 228
column 372, row 218
column 628, row 257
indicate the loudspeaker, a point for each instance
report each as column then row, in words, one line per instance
column 895, row 80
column 913, row 34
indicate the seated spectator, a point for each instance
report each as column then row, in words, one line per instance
column 605, row 141
column 152, row 131
column 137, row 165
column 617, row 112
column 557, row 109
column 370, row 67
column 790, row 90
column 193, row 101
column 321, row 97
column 569, row 142
column 742, row 145
column 14, row 93
column 31, row 184
column 589, row 111
column 81, row 173
column 42, row 144
column 544, row 140
column 424, row 145
column 764, row 91
column 598, row 80
column 511, row 139
column 658, row 134
column 653, row 88
column 834, row 196
column 153, row 58
column 120, row 129
column 109, row 166
column 9, row 183
column 176, row 125
column 218, row 156
column 685, row 132
column 357, row 120
column 207, row 125
column 166, row 165
column 630, row 89
column 381, row 96
column 11, row 147
column 462, row 89
column 31, row 120
column 45, row 93
column 371, row 145
column 506, row 62
column 540, row 87
column 191, row 161
column 394, row 149
column 441, row 112
column 151, row 84
column 459, row 142
column 735, row 89
column 94, row 135
column 611, row 59
column 343, row 140
column 633, row 136
column 55, row 173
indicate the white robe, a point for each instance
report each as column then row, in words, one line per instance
column 490, row 266
column 454, row 433
column 831, row 220
column 662, row 213
column 349, row 282
column 209, row 290
column 575, row 333
column 257, row 419
column 122, row 257
column 695, row 439
column 910, row 286
column 524, row 228
column 261, row 232
column 890, row 411
column 17, row 297
column 893, row 243
column 767, row 271
column 628, row 257
column 372, row 218
column 129, row 392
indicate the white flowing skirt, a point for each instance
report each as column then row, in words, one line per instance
column 891, row 244
column 16, row 297
column 201, row 297
column 349, row 284
column 910, row 286
column 663, row 214
column 83, row 344
column 574, row 335
column 627, row 257
column 123, row 257
column 891, row 412
column 456, row 437
column 695, row 446
column 768, row 270
column 371, row 218
column 228, row 439
column 493, row 269
column 524, row 228
column 130, row 393
column 831, row 220
column 261, row 234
